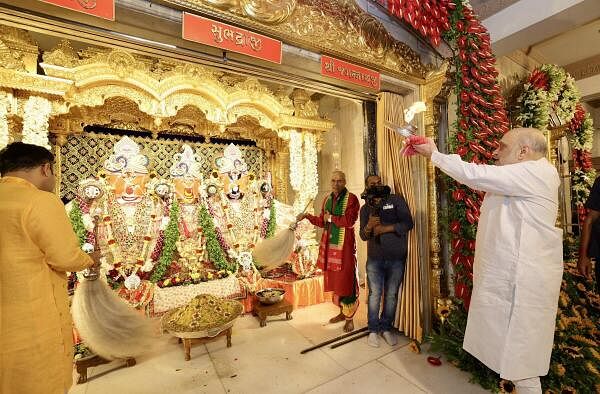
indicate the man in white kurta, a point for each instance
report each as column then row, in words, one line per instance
column 518, row 256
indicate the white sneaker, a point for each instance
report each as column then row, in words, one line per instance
column 390, row 338
column 373, row 339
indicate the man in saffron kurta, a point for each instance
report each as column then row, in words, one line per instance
column 37, row 246
column 337, row 252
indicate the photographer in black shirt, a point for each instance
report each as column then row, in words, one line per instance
column 385, row 221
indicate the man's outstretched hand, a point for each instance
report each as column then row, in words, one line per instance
column 425, row 149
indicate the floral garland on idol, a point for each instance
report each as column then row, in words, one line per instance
column 215, row 242
column 548, row 89
column 168, row 242
column 481, row 115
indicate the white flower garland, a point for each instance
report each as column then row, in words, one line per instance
column 35, row 123
column 562, row 96
column 311, row 177
column 4, row 135
column 296, row 170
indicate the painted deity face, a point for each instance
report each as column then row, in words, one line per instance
column 186, row 189
column 265, row 189
column 162, row 190
column 91, row 192
column 129, row 187
column 235, row 185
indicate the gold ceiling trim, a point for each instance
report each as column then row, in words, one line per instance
column 114, row 88
column 20, row 80
column 339, row 28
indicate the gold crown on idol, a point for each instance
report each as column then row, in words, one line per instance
column 127, row 158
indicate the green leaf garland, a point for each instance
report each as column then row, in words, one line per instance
column 76, row 217
column 215, row 252
column 171, row 236
column 272, row 226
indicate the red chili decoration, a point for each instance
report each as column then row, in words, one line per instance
column 458, row 194
column 469, row 202
column 471, row 218
column 455, row 226
column 457, row 243
column 462, row 151
column 471, row 245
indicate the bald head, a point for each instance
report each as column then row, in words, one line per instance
column 532, row 138
column 338, row 182
column 339, row 174
column 521, row 144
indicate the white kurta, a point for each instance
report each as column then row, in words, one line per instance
column 518, row 264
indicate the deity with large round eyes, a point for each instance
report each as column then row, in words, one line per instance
column 131, row 214
column 90, row 189
column 162, row 190
column 187, row 180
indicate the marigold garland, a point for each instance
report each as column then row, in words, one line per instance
column 170, row 237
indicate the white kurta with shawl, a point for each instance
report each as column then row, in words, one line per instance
column 518, row 264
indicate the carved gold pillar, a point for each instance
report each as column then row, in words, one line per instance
column 553, row 137
column 428, row 92
column 61, row 139
column 280, row 170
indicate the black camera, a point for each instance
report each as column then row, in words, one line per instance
column 374, row 197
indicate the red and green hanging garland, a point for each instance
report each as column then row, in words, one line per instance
column 481, row 114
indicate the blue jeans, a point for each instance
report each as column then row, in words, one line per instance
column 384, row 278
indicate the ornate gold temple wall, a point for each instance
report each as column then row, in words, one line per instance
column 116, row 88
column 83, row 155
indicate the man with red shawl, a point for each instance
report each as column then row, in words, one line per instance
column 337, row 252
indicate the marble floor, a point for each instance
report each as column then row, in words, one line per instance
column 268, row 360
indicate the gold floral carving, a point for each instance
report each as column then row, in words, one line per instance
column 20, row 80
column 264, row 11
column 64, row 55
column 18, row 50
column 116, row 89
column 434, row 83
column 339, row 28
column 10, row 59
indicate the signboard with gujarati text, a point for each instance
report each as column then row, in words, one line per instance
column 349, row 72
column 100, row 8
column 230, row 38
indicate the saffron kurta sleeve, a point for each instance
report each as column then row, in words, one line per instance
column 37, row 246
column 50, row 229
